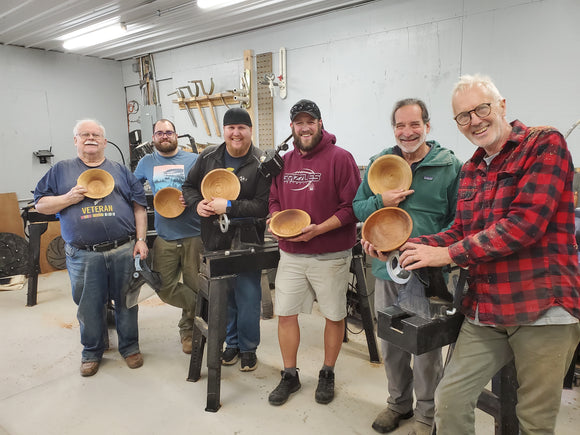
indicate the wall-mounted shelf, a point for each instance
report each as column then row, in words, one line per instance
column 219, row 99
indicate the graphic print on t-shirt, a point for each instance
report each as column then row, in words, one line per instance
column 168, row 176
column 96, row 211
column 302, row 179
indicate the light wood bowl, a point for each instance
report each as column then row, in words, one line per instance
column 389, row 172
column 167, row 203
column 220, row 183
column 98, row 182
column 388, row 228
column 289, row 223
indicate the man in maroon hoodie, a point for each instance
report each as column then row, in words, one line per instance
column 321, row 179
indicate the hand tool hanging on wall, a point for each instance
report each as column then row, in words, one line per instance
column 194, row 97
column 148, row 80
column 209, row 102
column 181, row 98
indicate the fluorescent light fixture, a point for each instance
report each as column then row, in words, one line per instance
column 95, row 37
column 209, row 4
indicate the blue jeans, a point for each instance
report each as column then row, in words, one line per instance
column 244, row 304
column 96, row 278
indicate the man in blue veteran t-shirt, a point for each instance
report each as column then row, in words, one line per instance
column 102, row 236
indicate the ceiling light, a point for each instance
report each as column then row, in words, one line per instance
column 99, row 36
column 208, row 4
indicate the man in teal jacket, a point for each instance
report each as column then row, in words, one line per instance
column 431, row 202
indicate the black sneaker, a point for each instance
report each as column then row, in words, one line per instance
column 325, row 390
column 230, row 356
column 249, row 361
column 288, row 385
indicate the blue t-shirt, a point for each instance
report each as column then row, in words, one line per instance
column 93, row 221
column 171, row 171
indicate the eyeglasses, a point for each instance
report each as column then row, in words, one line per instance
column 164, row 133
column 481, row 111
column 87, row 135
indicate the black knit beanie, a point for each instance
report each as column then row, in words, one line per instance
column 237, row 115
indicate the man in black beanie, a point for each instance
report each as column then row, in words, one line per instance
column 240, row 156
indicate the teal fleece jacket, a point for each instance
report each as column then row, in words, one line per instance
column 432, row 207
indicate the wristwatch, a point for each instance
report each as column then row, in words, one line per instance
column 228, row 206
column 140, row 239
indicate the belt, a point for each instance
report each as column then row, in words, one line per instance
column 106, row 246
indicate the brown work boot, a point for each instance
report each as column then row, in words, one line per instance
column 89, row 368
column 420, row 428
column 134, row 361
column 186, row 344
column 388, row 420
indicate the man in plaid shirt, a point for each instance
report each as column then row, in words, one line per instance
column 514, row 231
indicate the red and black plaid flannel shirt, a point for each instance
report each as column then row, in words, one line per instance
column 514, row 229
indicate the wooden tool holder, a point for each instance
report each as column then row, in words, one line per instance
column 219, row 99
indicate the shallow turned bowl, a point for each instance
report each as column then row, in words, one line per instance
column 167, row 203
column 289, row 223
column 389, row 172
column 388, row 228
column 220, row 183
column 98, row 182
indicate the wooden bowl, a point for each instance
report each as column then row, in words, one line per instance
column 389, row 172
column 167, row 203
column 220, row 183
column 99, row 183
column 289, row 223
column 388, row 228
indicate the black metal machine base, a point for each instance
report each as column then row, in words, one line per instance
column 418, row 335
column 218, row 270
column 37, row 226
column 415, row 334
column 357, row 269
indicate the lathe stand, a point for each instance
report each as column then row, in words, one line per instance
column 417, row 335
column 218, row 270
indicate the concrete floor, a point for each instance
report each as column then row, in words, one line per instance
column 41, row 391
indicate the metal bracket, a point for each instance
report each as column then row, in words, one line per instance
column 269, row 79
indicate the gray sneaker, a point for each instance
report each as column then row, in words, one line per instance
column 288, row 385
column 388, row 420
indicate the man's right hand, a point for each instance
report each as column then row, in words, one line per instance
column 392, row 198
column 76, row 194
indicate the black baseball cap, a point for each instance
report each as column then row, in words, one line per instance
column 305, row 106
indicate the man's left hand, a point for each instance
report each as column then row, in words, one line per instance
column 219, row 205
column 308, row 233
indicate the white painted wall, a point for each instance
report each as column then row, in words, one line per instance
column 356, row 63
column 42, row 95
